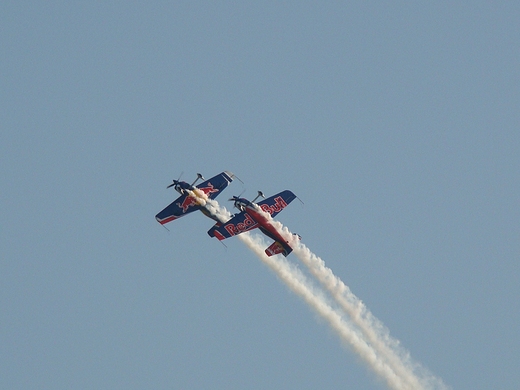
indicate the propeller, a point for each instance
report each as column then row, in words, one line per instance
column 175, row 182
column 235, row 199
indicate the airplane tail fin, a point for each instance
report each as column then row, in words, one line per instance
column 278, row 248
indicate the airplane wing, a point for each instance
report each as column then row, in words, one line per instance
column 185, row 204
column 213, row 186
column 181, row 206
column 240, row 223
column 276, row 203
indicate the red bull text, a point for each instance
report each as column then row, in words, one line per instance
column 279, row 205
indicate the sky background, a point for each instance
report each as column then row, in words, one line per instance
column 396, row 124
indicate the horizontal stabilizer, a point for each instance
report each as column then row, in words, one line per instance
column 278, row 248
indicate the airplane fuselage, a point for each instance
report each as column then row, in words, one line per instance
column 264, row 223
column 258, row 215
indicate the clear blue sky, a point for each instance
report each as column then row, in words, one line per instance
column 397, row 125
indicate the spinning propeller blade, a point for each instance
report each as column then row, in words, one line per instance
column 175, row 182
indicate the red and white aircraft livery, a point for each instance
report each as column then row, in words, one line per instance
column 257, row 215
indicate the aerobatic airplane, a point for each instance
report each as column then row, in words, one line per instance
column 194, row 198
column 252, row 216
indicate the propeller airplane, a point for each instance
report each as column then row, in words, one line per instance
column 257, row 215
column 194, row 197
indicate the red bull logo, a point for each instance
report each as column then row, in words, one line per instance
column 279, row 205
column 187, row 203
column 240, row 227
column 208, row 190
column 191, row 198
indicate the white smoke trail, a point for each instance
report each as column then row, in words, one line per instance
column 373, row 343
column 412, row 373
column 374, row 331
column 297, row 282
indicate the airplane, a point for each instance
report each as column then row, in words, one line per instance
column 254, row 215
column 194, row 197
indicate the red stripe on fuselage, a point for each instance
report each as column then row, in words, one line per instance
column 263, row 220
